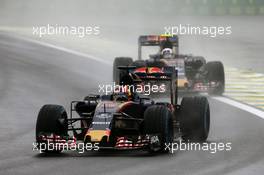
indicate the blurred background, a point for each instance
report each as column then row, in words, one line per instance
column 40, row 12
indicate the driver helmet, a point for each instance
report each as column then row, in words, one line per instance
column 167, row 53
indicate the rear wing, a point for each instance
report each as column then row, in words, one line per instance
column 157, row 40
column 170, row 74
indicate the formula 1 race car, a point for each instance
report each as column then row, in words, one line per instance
column 124, row 120
column 195, row 75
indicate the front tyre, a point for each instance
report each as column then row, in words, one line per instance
column 194, row 119
column 52, row 119
column 159, row 126
column 215, row 77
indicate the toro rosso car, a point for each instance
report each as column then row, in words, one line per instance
column 194, row 74
column 122, row 120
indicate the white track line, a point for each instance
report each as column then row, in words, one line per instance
column 74, row 52
column 241, row 106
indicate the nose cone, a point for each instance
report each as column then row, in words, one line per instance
column 96, row 135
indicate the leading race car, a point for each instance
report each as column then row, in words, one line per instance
column 195, row 75
column 124, row 119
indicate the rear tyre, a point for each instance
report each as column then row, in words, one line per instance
column 158, row 124
column 52, row 119
column 120, row 61
column 215, row 73
column 195, row 119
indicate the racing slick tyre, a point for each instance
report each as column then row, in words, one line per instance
column 139, row 63
column 52, row 119
column 194, row 118
column 120, row 61
column 215, row 73
column 158, row 125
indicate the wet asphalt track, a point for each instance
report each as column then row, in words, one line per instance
column 32, row 75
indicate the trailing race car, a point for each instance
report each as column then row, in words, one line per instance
column 195, row 75
column 125, row 120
